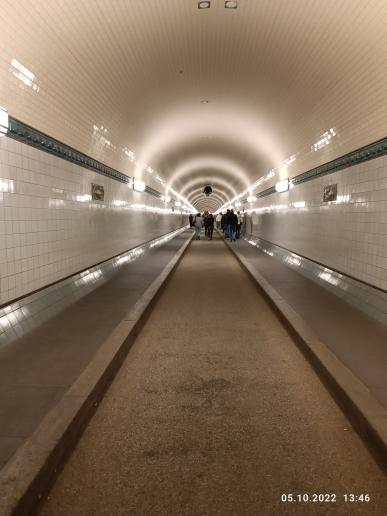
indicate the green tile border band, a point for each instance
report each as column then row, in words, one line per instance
column 26, row 134
column 366, row 153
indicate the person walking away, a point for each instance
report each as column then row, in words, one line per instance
column 218, row 220
column 223, row 223
column 210, row 226
column 198, row 226
column 233, row 223
column 205, row 220
column 239, row 225
column 227, row 222
column 191, row 220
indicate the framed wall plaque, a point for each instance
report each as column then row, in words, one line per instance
column 97, row 192
column 330, row 193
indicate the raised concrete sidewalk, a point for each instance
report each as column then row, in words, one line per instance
column 37, row 370
column 348, row 347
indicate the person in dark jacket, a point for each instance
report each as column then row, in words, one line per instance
column 239, row 226
column 233, row 224
column 227, row 224
column 191, row 220
column 210, row 225
column 223, row 222
column 205, row 220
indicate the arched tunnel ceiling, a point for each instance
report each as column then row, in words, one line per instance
column 275, row 75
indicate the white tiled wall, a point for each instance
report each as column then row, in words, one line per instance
column 349, row 235
column 50, row 229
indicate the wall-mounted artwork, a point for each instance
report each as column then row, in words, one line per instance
column 330, row 193
column 97, row 192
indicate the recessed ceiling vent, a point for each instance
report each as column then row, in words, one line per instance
column 207, row 190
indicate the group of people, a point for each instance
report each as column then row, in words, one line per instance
column 231, row 225
column 229, row 222
column 198, row 221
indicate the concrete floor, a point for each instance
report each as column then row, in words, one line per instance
column 215, row 412
column 37, row 369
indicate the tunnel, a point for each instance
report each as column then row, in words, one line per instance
column 193, row 257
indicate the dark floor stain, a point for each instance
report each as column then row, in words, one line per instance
column 163, row 354
column 150, row 390
column 176, row 451
column 150, row 454
column 214, row 385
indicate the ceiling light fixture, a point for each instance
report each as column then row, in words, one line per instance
column 231, row 4
column 204, row 101
column 204, row 4
column 282, row 186
column 139, row 185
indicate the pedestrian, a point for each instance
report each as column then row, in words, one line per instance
column 227, row 222
column 233, row 223
column 205, row 222
column 210, row 226
column 198, row 226
column 223, row 222
column 191, row 220
column 239, row 225
column 218, row 220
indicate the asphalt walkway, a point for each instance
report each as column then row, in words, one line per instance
column 216, row 412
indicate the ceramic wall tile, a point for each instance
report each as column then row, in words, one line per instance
column 349, row 234
column 50, row 227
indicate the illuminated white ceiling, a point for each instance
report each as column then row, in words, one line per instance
column 276, row 75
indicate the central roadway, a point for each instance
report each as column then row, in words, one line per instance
column 215, row 412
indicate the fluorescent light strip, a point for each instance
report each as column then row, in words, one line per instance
column 282, row 186
column 24, row 74
column 138, row 185
column 324, row 139
column 27, row 73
